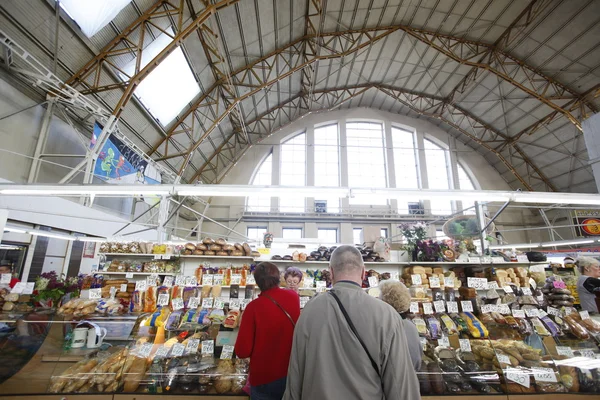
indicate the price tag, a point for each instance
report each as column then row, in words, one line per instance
column 443, row 341
column 145, row 350
column 475, row 260
column 498, row 260
column 518, row 313
column 423, row 343
column 449, row 281
column 188, row 281
column 477, row 283
column 29, row 288
column 564, row 351
column 526, row 291
column 507, row 289
column 140, row 285
column 129, row 275
column 465, row 345
column 309, row 283
column 517, row 376
column 434, row 282
column 543, row 374
column 486, row 260
column 303, row 301
column 414, row 307
column 219, row 303
column 94, row 293
column 466, row 306
column 5, row 279
column 427, row 308
column 321, row 290
column 584, row 314
column 522, row 258
column 542, row 313
column 244, row 303
column 151, row 280
column 553, row 311
column 587, row 353
column 250, row 279
column 322, row 284
column 193, row 302
column 179, row 280
column 163, row 299
column 236, row 279
column 531, row 312
column 227, row 352
column 504, row 309
column 162, row 352
column 493, row 285
column 235, row 303
column 532, row 283
column 218, row 280
column 177, row 350
column 416, row 279
column 503, row 359
column 487, row 308
column 452, row 307
column 208, row 347
column 439, row 306
column 177, row 303
column 207, row 279
column 123, row 288
column 168, row 281
column 192, row 346
column 373, row 281
column 207, row 302
column 113, row 292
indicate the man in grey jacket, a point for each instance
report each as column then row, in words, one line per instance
column 328, row 361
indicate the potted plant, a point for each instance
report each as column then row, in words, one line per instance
column 413, row 233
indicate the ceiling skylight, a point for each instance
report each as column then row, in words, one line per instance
column 93, row 15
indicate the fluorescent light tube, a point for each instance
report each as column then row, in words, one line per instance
column 515, row 246
column 50, row 235
column 567, row 243
column 15, row 230
column 90, row 239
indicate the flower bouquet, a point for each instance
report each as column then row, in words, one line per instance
column 50, row 288
column 413, row 233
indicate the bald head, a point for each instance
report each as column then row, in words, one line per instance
column 346, row 263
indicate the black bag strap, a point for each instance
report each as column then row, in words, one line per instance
column 353, row 329
column 282, row 309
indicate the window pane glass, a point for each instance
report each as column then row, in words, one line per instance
column 437, row 175
column 256, row 233
column 405, row 163
column 327, row 162
column 292, row 233
column 293, row 172
column 92, row 16
column 464, row 182
column 384, row 232
column 327, row 235
column 263, row 177
column 366, row 158
column 357, row 235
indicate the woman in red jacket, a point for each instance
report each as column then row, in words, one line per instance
column 266, row 333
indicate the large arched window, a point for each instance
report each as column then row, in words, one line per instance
column 438, row 175
column 264, row 176
column 405, row 163
column 327, row 163
column 465, row 183
column 293, row 171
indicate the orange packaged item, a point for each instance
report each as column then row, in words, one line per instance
column 150, row 299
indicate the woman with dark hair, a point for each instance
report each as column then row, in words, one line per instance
column 266, row 333
column 293, row 277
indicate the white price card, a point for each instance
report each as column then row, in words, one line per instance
column 236, row 279
column 466, row 306
column 192, row 346
column 531, row 312
column 244, row 303
column 503, row 359
column 5, row 279
column 477, row 283
column 129, row 275
column 29, row 288
column 227, row 352
column 234, row 303
column 416, row 279
column 168, row 281
column 123, row 288
column 584, row 314
column 321, row 289
column 177, row 350
column 526, row 291
column 207, row 302
column 180, row 280
column 322, row 284
column 493, row 285
column 163, row 299
column 553, row 311
column 449, row 281
column 113, row 292
column 208, row 347
column 193, row 302
column 414, row 307
column 188, row 281
column 507, row 289
column 151, row 280
column 162, row 352
column 427, row 308
column 542, row 313
column 373, row 281
column 564, row 351
column 177, row 303
column 218, row 280
column 522, row 258
column 423, row 343
column 434, row 282
column 140, row 285
column 475, row 260
column 303, row 301
column 532, row 283
column 452, row 307
column 443, row 341
column 439, row 306
column 207, row 279
column 94, row 294
column 488, row 308
column 587, row 353
column 250, row 279
column 219, row 303
column 465, row 345
column 518, row 376
column 504, row 309
column 543, row 374
column 518, row 313
column 145, row 350
column 309, row 283
column 498, row 260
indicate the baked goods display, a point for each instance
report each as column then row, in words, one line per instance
column 218, row 247
column 323, row 253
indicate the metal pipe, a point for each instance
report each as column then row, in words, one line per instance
column 57, row 29
column 138, row 217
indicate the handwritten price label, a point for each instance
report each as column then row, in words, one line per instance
column 163, row 299
column 193, row 302
column 465, row 345
column 207, row 302
column 323, row 284
column 309, row 283
column 414, row 307
column 517, row 376
column 439, row 306
column 208, row 347
column 218, row 280
column 434, row 282
column 235, row 303
column 236, row 279
column 452, row 307
column 503, row 359
column 444, row 341
column 587, row 353
column 507, row 289
column 466, row 306
column 531, row 312
column 504, row 309
column 449, row 281
column 177, row 350
column 543, row 374
column 564, row 351
column 129, row 275
column 207, row 279
column 168, row 281
column 162, row 352
column 151, row 281
column 180, row 280
column 192, row 346
column 145, row 350
column 518, row 313
column 177, row 304
column 303, row 301
column 219, row 303
column 416, row 279
column 140, row 286
column 554, row 311
column 113, row 292
column 250, row 280
column 123, row 288
column 493, row 285
column 477, row 283
column 584, row 314
column 95, row 294
column 227, row 352
column 373, row 281
column 427, row 308
column 527, row 291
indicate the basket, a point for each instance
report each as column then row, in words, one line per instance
column 468, row 224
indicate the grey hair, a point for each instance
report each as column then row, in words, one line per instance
column 584, row 262
column 346, row 259
column 395, row 294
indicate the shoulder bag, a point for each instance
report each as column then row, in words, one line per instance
column 281, row 308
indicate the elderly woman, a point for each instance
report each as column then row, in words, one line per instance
column 397, row 295
column 293, row 277
column 588, row 283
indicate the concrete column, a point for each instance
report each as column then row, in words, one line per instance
column 41, row 142
column 454, row 183
column 423, row 180
column 311, row 230
column 310, row 167
column 344, row 165
column 389, row 155
column 346, row 236
column 591, row 134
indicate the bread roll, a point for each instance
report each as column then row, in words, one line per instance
column 208, row 241
column 221, row 242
